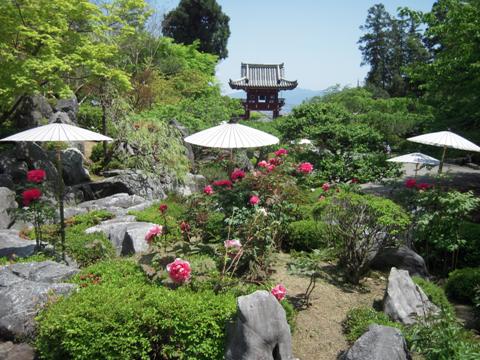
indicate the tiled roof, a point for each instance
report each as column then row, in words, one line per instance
column 269, row 76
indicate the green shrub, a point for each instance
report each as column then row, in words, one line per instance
column 435, row 294
column 470, row 253
column 306, row 235
column 359, row 319
column 124, row 317
column 37, row 257
column 443, row 338
column 461, row 284
column 360, row 224
column 176, row 211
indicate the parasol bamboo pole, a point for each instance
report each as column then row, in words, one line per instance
column 60, row 199
column 440, row 167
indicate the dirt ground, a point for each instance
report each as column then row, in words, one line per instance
column 318, row 334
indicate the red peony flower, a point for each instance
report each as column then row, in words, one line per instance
column 163, row 208
column 410, row 183
column 424, row 186
column 254, row 200
column 326, row 187
column 237, row 174
column 208, row 190
column 281, row 152
column 179, row 270
column 275, row 161
column 355, row 181
column 223, row 183
column 184, row 227
column 279, row 292
column 305, row 168
column 270, row 168
column 262, row 164
column 36, row 176
column 30, row 195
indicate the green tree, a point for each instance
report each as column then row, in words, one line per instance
column 201, row 20
column 52, row 46
column 375, row 46
column 450, row 82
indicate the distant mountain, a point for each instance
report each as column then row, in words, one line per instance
column 292, row 97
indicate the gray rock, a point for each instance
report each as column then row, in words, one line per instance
column 24, row 289
column 74, row 211
column 379, row 343
column 44, row 271
column 31, row 111
column 68, row 106
column 12, row 351
column 261, row 330
column 121, row 200
column 12, row 244
column 401, row 258
column 191, row 184
column 126, row 237
column 73, row 170
column 404, row 301
column 7, row 201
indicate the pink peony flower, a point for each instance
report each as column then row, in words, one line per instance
column 163, row 208
column 321, row 198
column 237, row 174
column 223, row 183
column 410, row 183
column 36, row 176
column 281, row 152
column 30, row 195
column 155, row 230
column 254, row 200
column 208, row 190
column 179, row 270
column 262, row 164
column 279, row 292
column 270, row 168
column 326, row 187
column 305, row 168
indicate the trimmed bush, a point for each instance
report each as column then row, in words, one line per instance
column 359, row 319
column 119, row 315
column 461, row 284
column 435, row 294
column 306, row 235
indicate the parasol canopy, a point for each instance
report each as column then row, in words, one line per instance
column 445, row 139
column 231, row 136
column 416, row 158
column 57, row 132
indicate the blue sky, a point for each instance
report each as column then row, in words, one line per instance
column 316, row 39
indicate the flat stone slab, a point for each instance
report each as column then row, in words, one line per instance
column 12, row 244
column 12, row 351
column 24, row 289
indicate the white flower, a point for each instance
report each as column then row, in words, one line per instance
column 262, row 211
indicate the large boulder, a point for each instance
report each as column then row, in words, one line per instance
column 68, row 106
column 402, row 258
column 126, row 237
column 24, row 289
column 191, row 184
column 119, row 204
column 7, row 201
column 130, row 182
column 73, row 170
column 12, row 351
column 261, row 330
column 404, row 301
column 11, row 244
column 379, row 343
column 31, row 111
